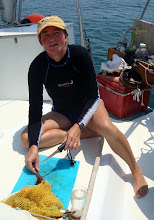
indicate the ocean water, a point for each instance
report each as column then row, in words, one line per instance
column 104, row 21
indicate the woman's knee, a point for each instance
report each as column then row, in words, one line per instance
column 111, row 132
column 24, row 139
column 105, row 128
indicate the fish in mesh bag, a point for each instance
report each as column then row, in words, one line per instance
column 37, row 199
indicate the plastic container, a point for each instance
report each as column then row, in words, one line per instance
column 78, row 199
column 142, row 53
column 118, row 105
column 122, row 43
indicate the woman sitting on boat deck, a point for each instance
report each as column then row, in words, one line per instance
column 78, row 112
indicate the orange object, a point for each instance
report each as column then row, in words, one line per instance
column 34, row 18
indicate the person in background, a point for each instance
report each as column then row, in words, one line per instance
column 68, row 75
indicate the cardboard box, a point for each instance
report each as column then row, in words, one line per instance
column 118, row 100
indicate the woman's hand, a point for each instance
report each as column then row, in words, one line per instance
column 73, row 138
column 32, row 159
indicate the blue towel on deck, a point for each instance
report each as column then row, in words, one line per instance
column 58, row 172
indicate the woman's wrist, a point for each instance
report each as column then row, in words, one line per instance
column 33, row 148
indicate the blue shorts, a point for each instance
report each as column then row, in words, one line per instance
column 71, row 115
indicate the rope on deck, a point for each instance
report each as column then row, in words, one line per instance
column 92, row 179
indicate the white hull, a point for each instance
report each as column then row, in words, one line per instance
column 19, row 46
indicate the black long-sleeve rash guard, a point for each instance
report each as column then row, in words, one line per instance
column 71, row 84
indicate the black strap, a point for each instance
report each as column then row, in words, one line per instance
column 69, row 155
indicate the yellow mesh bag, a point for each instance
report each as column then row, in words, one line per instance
column 37, row 199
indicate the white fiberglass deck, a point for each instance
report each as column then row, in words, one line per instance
column 113, row 195
column 13, row 118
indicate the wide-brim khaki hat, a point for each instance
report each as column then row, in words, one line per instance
column 50, row 21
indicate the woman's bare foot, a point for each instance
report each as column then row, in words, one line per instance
column 140, row 184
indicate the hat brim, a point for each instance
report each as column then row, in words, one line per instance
column 51, row 24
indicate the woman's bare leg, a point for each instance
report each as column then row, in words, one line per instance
column 101, row 124
column 54, row 131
